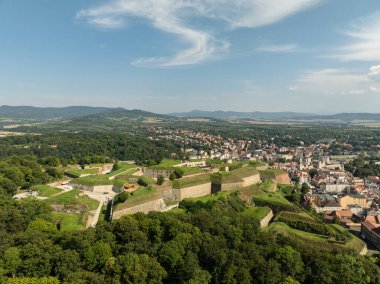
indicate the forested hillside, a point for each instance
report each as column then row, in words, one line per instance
column 200, row 243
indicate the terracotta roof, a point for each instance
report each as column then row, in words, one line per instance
column 373, row 219
column 368, row 225
column 343, row 213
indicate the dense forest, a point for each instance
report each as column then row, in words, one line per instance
column 72, row 147
column 200, row 243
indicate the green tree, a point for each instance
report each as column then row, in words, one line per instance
column 160, row 180
column 291, row 262
column 97, row 256
column 12, row 260
column 305, row 188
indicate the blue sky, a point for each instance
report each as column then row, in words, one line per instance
column 320, row 56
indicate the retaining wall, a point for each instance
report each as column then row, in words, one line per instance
column 154, row 205
column 265, row 221
column 195, row 191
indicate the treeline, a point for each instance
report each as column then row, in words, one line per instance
column 23, row 172
column 72, row 148
column 205, row 243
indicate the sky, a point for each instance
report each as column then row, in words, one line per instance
column 314, row 56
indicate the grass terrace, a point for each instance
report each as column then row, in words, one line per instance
column 138, row 197
column 93, row 180
column 275, row 200
column 271, row 173
column 73, row 197
column 78, row 172
column 191, row 181
column 123, row 167
column 166, row 164
column 319, row 241
column 233, row 176
column 213, row 197
column 45, row 190
column 268, row 185
column 257, row 213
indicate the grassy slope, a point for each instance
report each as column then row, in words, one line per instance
column 45, row 190
column 317, row 240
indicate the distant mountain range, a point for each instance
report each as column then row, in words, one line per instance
column 49, row 113
column 257, row 115
column 243, row 115
column 85, row 113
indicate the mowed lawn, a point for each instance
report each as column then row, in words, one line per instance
column 70, row 221
column 45, row 190
column 72, row 198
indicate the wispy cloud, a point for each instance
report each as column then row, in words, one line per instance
column 174, row 16
column 337, row 82
column 365, row 40
column 277, row 48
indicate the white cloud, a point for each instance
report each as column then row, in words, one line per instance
column 174, row 16
column 277, row 48
column 332, row 82
column 374, row 73
column 338, row 82
column 365, row 40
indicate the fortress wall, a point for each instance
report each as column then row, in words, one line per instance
column 254, row 179
column 103, row 188
column 265, row 222
column 95, row 188
column 171, row 194
column 154, row 205
column 262, row 168
column 283, row 179
column 195, row 191
column 231, row 186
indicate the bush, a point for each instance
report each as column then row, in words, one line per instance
column 160, row 180
column 122, row 197
column 145, row 181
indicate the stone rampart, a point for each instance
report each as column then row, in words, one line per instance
column 154, row 205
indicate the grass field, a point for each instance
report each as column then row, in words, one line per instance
column 72, row 198
column 45, row 190
column 192, row 181
column 70, row 222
